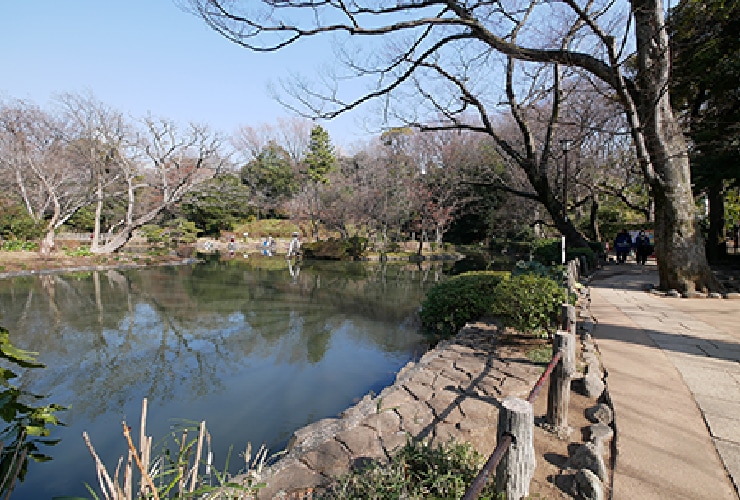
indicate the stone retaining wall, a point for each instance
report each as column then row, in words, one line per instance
column 451, row 393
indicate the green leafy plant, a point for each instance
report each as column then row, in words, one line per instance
column 417, row 471
column 547, row 251
column 540, row 354
column 79, row 252
column 529, row 303
column 26, row 427
column 452, row 303
column 17, row 224
column 19, row 245
column 588, row 253
column 536, row 268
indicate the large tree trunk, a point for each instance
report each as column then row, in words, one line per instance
column 121, row 237
column 98, row 212
column 682, row 263
column 47, row 242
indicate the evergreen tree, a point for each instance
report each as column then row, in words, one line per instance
column 319, row 162
column 320, row 159
column 270, row 178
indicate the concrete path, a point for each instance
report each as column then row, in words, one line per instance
column 673, row 374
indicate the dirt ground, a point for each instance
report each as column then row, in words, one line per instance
column 551, row 479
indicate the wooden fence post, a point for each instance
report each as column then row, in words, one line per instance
column 568, row 318
column 558, row 396
column 516, row 468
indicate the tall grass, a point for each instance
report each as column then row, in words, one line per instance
column 180, row 469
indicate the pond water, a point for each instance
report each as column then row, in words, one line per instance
column 255, row 347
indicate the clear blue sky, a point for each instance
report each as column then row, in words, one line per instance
column 142, row 56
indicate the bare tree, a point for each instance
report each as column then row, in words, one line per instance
column 291, row 134
column 173, row 162
column 445, row 55
column 97, row 139
column 35, row 155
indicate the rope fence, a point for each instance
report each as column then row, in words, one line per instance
column 513, row 458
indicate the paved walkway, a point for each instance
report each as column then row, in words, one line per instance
column 673, row 373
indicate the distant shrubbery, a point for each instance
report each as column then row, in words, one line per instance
column 528, row 300
column 336, row 249
column 548, row 251
column 19, row 245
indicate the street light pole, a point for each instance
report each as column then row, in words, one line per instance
column 565, row 144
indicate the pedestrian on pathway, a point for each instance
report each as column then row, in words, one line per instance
column 643, row 248
column 622, row 246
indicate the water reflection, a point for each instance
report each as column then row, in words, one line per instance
column 255, row 347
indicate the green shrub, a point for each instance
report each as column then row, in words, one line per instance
column 79, row 252
column 528, row 303
column 417, row 471
column 172, row 233
column 336, row 249
column 16, row 224
column 153, row 233
column 355, row 246
column 588, row 253
column 556, row 273
column 547, row 251
column 182, row 231
column 597, row 247
column 19, row 245
column 452, row 303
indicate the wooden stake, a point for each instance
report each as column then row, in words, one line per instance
column 514, row 472
column 558, row 397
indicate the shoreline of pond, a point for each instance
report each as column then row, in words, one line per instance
column 39, row 266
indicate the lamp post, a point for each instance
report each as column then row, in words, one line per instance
column 565, row 144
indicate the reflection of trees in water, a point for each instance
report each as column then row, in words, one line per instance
column 173, row 332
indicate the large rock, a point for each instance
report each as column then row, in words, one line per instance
column 588, row 456
column 287, row 476
column 588, row 486
column 593, row 385
column 600, row 414
column 600, row 434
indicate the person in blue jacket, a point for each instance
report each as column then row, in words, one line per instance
column 622, row 246
column 643, row 248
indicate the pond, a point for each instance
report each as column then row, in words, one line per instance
column 256, row 347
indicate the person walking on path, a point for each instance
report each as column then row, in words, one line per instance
column 643, row 248
column 622, row 246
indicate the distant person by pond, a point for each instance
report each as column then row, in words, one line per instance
column 294, row 249
column 268, row 246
